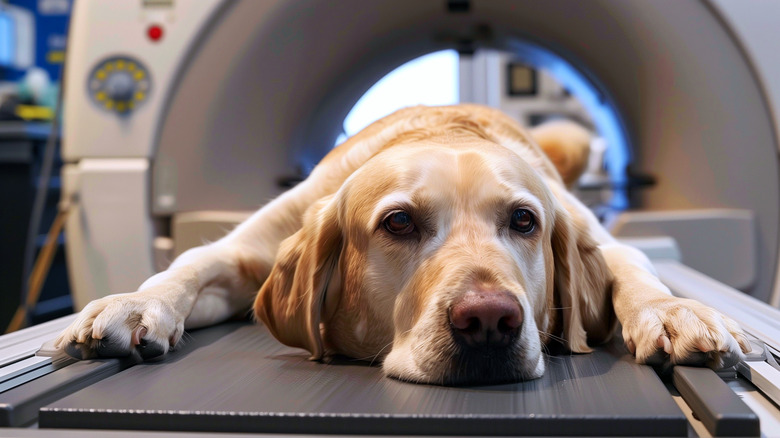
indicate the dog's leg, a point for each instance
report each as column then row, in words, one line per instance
column 203, row 286
column 661, row 329
column 152, row 319
column 209, row 284
column 658, row 327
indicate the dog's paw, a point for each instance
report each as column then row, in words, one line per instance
column 675, row 331
column 121, row 325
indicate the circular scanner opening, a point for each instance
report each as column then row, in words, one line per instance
column 532, row 85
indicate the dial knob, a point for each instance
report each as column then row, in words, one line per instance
column 119, row 84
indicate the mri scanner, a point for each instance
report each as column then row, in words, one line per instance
column 237, row 96
column 194, row 112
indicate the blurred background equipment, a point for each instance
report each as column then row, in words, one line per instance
column 32, row 50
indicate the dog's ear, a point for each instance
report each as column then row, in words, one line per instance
column 582, row 281
column 291, row 300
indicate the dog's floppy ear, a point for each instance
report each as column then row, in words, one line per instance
column 582, row 281
column 291, row 300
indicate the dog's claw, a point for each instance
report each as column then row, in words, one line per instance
column 107, row 347
column 631, row 346
column 78, row 350
column 744, row 344
column 665, row 343
column 729, row 359
column 150, row 349
column 138, row 334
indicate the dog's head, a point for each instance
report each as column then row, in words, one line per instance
column 453, row 263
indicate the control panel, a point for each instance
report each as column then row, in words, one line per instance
column 119, row 84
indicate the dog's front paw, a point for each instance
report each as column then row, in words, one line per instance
column 675, row 331
column 123, row 324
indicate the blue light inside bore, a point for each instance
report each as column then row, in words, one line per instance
column 606, row 119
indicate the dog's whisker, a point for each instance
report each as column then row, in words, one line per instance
column 185, row 338
column 374, row 357
column 557, row 338
column 552, row 336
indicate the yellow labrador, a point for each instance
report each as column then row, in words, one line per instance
column 441, row 241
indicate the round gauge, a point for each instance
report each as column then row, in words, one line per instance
column 119, row 84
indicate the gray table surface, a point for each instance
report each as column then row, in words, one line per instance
column 236, row 378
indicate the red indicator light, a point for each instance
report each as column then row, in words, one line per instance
column 155, row 32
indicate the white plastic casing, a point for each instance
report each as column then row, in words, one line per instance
column 100, row 30
column 110, row 232
column 754, row 23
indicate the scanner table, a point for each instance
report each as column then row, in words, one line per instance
column 236, row 378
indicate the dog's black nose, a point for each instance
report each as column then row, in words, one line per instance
column 486, row 318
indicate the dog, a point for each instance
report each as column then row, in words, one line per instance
column 439, row 241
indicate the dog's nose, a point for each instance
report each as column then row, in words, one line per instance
column 482, row 319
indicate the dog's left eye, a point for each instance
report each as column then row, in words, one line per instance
column 522, row 221
column 399, row 223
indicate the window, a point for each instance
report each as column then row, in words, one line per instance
column 428, row 80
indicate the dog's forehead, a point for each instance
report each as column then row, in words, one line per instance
column 471, row 172
column 463, row 163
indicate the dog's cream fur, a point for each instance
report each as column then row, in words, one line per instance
column 333, row 279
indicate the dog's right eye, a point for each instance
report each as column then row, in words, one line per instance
column 399, row 223
column 523, row 221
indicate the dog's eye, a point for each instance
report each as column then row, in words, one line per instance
column 522, row 221
column 399, row 222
